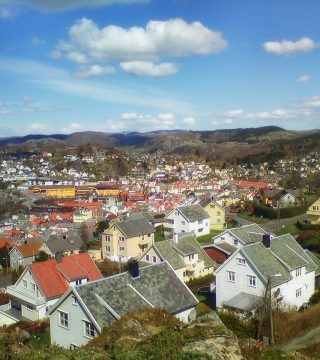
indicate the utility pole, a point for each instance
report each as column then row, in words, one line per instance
column 278, row 215
column 264, row 306
column 270, row 314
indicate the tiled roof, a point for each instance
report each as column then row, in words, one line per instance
column 248, row 233
column 157, row 286
column 30, row 249
column 315, row 260
column 193, row 212
column 51, row 275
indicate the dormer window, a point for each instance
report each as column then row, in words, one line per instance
column 299, row 272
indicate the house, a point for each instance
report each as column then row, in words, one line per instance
column 184, row 254
column 126, row 238
column 219, row 252
column 25, row 254
column 279, row 262
column 240, row 236
column 216, row 212
column 187, row 219
column 42, row 283
column 56, row 191
column 64, row 243
column 282, row 198
column 84, row 310
column 313, row 212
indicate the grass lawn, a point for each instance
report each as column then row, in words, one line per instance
column 291, row 229
column 255, row 219
column 208, row 237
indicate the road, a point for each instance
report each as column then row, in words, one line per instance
column 312, row 336
column 274, row 225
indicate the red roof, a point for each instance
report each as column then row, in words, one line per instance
column 6, row 242
column 30, row 249
column 53, row 277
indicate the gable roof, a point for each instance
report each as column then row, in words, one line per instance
column 173, row 251
column 62, row 243
column 53, row 277
column 205, row 202
column 135, row 227
column 248, row 234
column 30, row 249
column 315, row 260
column 157, row 286
column 193, row 212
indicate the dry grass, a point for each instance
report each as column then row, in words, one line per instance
column 290, row 324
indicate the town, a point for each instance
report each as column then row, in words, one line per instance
column 82, row 247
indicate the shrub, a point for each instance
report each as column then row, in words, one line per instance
column 4, row 298
column 315, row 298
column 242, row 328
column 195, row 284
column 203, row 309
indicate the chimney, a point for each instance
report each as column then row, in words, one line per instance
column 134, row 268
column 266, row 240
column 58, row 257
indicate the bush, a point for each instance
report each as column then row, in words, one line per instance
column 4, row 298
column 203, row 309
column 315, row 298
column 304, row 226
column 242, row 328
column 195, row 284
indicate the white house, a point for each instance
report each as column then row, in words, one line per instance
column 187, row 219
column 85, row 310
column 42, row 283
column 242, row 279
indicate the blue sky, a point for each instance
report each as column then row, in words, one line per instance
column 143, row 65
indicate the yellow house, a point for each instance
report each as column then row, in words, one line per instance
column 127, row 238
column 184, row 254
column 56, row 191
column 313, row 213
column 216, row 212
column 108, row 190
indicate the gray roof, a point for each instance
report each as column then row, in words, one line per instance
column 174, row 252
column 244, row 301
column 266, row 262
column 135, row 227
column 315, row 260
column 291, row 253
column 193, row 212
column 57, row 243
column 248, row 234
column 157, row 286
column 230, row 249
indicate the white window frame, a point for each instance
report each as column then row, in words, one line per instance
column 298, row 293
column 29, row 307
column 25, row 284
column 121, row 248
column 121, row 238
column 108, row 248
column 33, row 287
column 88, row 329
column 252, row 280
column 299, row 272
column 63, row 319
column 241, row 261
column 231, row 276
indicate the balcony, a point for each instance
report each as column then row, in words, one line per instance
column 13, row 291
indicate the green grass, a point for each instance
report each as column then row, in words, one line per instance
column 255, row 219
column 39, row 341
column 291, row 229
column 208, row 237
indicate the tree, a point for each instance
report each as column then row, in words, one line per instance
column 101, row 226
column 4, row 258
column 43, row 256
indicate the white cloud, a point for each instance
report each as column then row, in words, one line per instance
column 94, row 70
column 130, row 116
column 39, row 127
column 77, row 57
column 61, row 5
column 286, row 47
column 147, row 68
column 6, row 13
column 228, row 121
column 174, row 37
column 303, row 78
column 235, row 113
column 166, row 117
column 313, row 102
column 55, row 54
column 189, row 120
column 37, row 42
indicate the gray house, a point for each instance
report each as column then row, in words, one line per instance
column 85, row 310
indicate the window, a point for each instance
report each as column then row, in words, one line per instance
column 235, row 242
column 33, row 287
column 218, row 220
column 121, row 248
column 149, row 234
column 298, row 292
column 212, row 206
column 88, row 329
column 252, row 280
column 200, row 230
column 78, row 282
column 183, row 222
column 63, row 319
column 29, row 307
column 241, row 261
column 222, row 238
column 298, row 272
column 108, row 248
column 147, row 257
column 74, row 300
column 25, row 284
column 154, row 259
column 191, row 257
column 108, row 238
column 121, row 238
column 231, row 276
column 218, row 213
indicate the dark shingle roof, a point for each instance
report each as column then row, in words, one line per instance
column 248, row 234
column 157, row 286
column 131, row 228
column 193, row 212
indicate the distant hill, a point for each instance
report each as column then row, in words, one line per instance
column 242, row 143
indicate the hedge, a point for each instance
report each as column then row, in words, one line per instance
column 270, row 213
column 304, row 226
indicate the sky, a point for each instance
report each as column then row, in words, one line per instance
column 145, row 65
